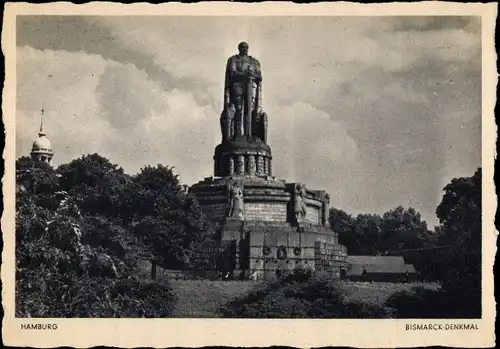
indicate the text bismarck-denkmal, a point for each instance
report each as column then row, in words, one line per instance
column 39, row 327
column 442, row 327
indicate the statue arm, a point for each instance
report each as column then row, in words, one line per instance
column 256, row 69
column 229, row 68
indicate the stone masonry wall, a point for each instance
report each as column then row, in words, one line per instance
column 215, row 211
column 313, row 215
column 268, row 211
column 283, row 247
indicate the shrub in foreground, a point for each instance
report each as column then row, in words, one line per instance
column 425, row 303
column 55, row 295
column 67, row 265
column 418, row 303
column 301, row 295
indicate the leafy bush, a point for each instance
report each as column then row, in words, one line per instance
column 426, row 303
column 301, row 295
column 73, row 265
column 45, row 294
column 83, row 230
column 420, row 303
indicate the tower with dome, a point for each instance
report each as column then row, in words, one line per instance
column 41, row 152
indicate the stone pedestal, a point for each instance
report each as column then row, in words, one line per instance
column 267, row 239
column 242, row 158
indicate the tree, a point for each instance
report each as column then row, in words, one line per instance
column 403, row 229
column 35, row 178
column 96, row 183
column 25, row 163
column 460, row 216
column 368, row 234
column 372, row 234
column 342, row 223
column 460, row 212
column 166, row 219
column 160, row 179
column 68, row 265
column 460, row 231
column 361, row 235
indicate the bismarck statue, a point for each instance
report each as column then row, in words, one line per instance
column 265, row 226
column 242, row 115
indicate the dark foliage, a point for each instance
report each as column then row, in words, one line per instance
column 460, row 215
column 165, row 218
column 68, row 266
column 96, row 183
column 152, row 209
column 372, row 234
column 83, row 230
column 35, row 180
column 301, row 295
column 421, row 303
column 58, row 295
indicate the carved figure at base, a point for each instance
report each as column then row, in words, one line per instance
column 263, row 127
column 227, row 122
column 260, row 125
column 236, row 204
column 299, row 207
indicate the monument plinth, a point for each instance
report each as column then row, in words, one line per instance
column 271, row 226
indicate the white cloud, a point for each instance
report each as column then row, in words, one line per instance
column 64, row 84
column 307, row 143
column 337, row 92
column 94, row 105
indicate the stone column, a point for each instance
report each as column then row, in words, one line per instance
column 260, row 164
column 265, row 163
column 269, row 167
column 251, row 164
column 230, row 166
column 240, row 165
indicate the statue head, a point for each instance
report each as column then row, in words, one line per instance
column 243, row 48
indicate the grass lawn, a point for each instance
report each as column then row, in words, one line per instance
column 202, row 298
column 379, row 292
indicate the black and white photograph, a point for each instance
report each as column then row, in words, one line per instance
column 249, row 167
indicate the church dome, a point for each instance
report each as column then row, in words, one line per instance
column 42, row 144
column 42, row 149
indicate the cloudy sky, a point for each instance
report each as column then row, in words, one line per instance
column 379, row 111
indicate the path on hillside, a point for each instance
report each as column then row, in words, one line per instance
column 202, row 298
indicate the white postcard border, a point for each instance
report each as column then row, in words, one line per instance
column 250, row 332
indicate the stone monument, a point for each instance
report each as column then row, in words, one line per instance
column 266, row 226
